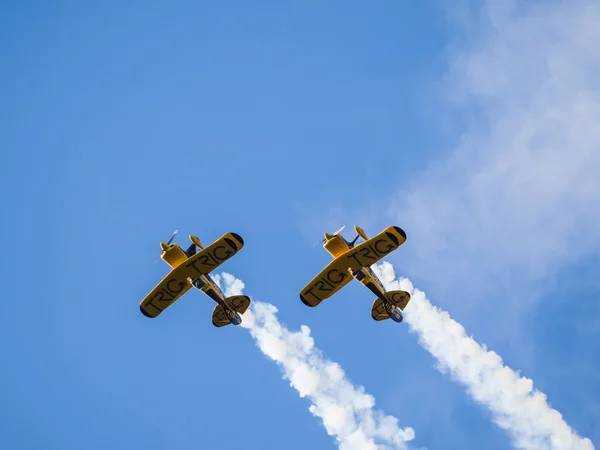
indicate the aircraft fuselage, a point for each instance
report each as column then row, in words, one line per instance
column 336, row 245
column 173, row 255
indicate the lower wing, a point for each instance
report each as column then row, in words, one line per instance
column 331, row 279
column 164, row 295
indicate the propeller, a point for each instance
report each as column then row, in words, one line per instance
column 164, row 246
column 339, row 231
column 334, row 234
column 172, row 236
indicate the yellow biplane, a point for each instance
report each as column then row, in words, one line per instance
column 192, row 269
column 352, row 261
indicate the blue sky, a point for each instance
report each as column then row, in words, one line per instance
column 279, row 121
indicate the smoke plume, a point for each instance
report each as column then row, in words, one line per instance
column 515, row 405
column 347, row 411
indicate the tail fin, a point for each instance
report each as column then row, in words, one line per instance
column 238, row 303
column 398, row 298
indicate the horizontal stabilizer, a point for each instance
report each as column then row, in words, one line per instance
column 386, row 310
column 219, row 319
column 378, row 311
column 398, row 298
column 239, row 303
column 222, row 317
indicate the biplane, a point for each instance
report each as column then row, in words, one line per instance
column 354, row 261
column 192, row 268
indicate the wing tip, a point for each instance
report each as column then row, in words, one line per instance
column 145, row 313
column 238, row 238
column 400, row 231
column 305, row 301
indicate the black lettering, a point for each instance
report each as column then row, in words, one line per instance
column 354, row 255
column 388, row 248
column 193, row 264
column 320, row 285
column 373, row 250
column 160, row 296
column 204, row 261
column 310, row 292
column 170, row 296
column 215, row 262
column 339, row 279
column 324, row 280
column 366, row 252
column 153, row 305
column 178, row 288
column 223, row 255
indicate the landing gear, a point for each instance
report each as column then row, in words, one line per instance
column 199, row 283
column 358, row 274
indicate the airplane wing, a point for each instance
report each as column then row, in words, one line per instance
column 375, row 249
column 164, row 294
column 176, row 283
column 213, row 256
column 331, row 279
column 336, row 275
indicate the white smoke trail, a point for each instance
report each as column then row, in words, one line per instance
column 515, row 405
column 347, row 411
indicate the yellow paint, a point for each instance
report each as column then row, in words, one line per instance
column 179, row 280
column 352, row 261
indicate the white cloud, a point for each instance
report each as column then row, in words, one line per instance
column 519, row 196
column 515, row 405
column 347, row 411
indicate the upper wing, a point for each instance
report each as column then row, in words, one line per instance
column 336, row 275
column 176, row 283
column 238, row 303
column 212, row 256
column 375, row 249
